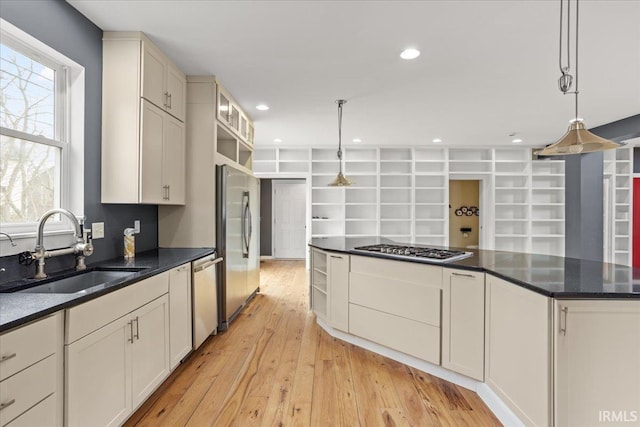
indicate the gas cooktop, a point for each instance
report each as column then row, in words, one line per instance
column 413, row 252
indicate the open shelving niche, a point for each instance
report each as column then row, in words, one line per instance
column 618, row 168
column 431, row 195
column 319, row 300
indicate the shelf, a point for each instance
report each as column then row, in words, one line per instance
column 512, row 219
column 512, row 188
column 547, row 236
column 317, row 270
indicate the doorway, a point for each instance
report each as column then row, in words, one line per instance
column 464, row 213
column 289, row 219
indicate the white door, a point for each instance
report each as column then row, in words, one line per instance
column 289, row 219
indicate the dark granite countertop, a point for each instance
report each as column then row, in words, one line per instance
column 552, row 276
column 19, row 308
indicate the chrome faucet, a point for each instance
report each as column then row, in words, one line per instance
column 81, row 248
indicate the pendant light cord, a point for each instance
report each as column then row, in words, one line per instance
column 340, row 102
column 564, row 70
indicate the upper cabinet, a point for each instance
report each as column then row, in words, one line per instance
column 231, row 115
column 163, row 84
column 143, row 131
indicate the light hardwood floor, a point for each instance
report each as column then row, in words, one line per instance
column 276, row 367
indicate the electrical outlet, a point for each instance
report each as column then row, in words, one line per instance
column 97, row 230
column 136, row 226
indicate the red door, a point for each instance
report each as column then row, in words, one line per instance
column 636, row 222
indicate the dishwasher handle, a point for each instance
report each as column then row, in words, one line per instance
column 206, row 264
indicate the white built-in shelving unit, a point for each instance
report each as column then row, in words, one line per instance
column 403, row 193
column 319, row 272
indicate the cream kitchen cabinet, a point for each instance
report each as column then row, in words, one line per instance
column 338, row 290
column 163, row 83
column 231, row 115
column 31, row 374
column 121, row 342
column 180, row 320
column 597, row 363
column 518, row 350
column 396, row 304
column 143, row 134
column 162, row 171
column 463, row 322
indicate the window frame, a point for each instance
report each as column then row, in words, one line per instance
column 69, row 105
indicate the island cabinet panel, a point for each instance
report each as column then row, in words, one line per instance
column 396, row 304
column 463, row 322
column 338, row 291
column 180, row 313
column 597, row 363
column 518, row 350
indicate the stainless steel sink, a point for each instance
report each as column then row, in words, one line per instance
column 90, row 281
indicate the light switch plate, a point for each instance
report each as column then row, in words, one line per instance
column 97, row 230
column 136, row 226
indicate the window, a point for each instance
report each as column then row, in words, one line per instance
column 41, row 132
column 33, row 134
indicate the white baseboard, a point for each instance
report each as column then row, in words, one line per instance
column 265, row 257
column 495, row 404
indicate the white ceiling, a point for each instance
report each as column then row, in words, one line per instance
column 488, row 68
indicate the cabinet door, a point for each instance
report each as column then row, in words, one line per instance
column 338, row 291
column 463, row 323
column 518, row 350
column 173, row 162
column 98, row 377
column 176, row 88
column 179, row 313
column 153, row 76
column 152, row 136
column 150, row 348
column 597, row 363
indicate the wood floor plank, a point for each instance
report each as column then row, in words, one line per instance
column 276, row 367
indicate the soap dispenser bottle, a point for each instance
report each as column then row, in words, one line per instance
column 129, row 243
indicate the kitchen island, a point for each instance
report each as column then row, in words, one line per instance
column 543, row 340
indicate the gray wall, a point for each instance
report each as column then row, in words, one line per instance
column 60, row 26
column 265, row 217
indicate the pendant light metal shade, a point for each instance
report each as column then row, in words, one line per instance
column 341, row 180
column 577, row 140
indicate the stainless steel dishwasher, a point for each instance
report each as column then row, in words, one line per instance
column 205, row 299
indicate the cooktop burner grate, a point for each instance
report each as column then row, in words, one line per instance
column 402, row 251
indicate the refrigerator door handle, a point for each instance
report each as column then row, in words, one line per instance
column 245, row 210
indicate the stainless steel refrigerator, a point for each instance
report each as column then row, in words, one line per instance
column 237, row 240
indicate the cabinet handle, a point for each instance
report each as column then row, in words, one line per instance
column 170, row 103
column 7, row 357
column 168, row 192
column 5, row 405
column 335, row 256
column 137, row 328
column 463, row 275
column 166, row 99
column 563, row 316
column 183, row 268
column 131, row 326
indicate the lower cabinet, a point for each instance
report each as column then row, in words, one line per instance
column 31, row 374
column 180, row 322
column 597, row 363
column 463, row 322
column 338, row 291
column 113, row 369
column 396, row 304
column 518, row 350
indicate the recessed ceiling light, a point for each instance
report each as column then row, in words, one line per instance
column 262, row 107
column 410, row 53
column 357, row 140
column 516, row 141
column 277, row 140
column 436, row 140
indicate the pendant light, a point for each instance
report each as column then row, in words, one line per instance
column 577, row 140
column 341, row 180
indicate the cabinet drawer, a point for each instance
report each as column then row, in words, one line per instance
column 26, row 345
column 41, row 415
column 27, row 388
column 91, row 316
column 408, row 336
column 419, row 302
column 409, row 271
